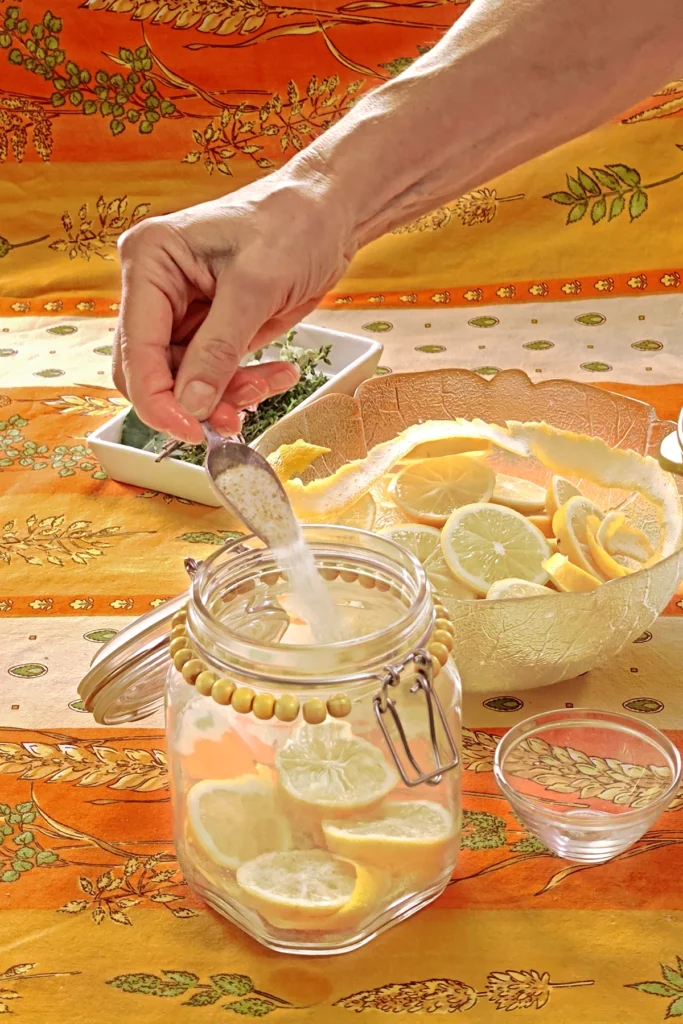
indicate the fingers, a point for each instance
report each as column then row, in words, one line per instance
column 251, row 384
column 214, row 353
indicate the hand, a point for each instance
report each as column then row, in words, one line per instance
column 204, row 286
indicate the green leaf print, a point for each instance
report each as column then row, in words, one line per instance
column 538, row 346
column 378, row 326
column 62, row 329
column 482, row 831
column 617, row 207
column 671, row 988
column 629, row 175
column 430, row 348
column 483, row 321
column 599, row 210
column 596, row 367
column 577, row 213
column 638, row 204
column 647, row 346
column 251, row 1007
column 147, row 985
column 590, row 319
column 233, row 984
column 591, row 186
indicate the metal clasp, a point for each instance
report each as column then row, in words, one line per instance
column 383, row 702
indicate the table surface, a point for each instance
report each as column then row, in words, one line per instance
column 97, row 922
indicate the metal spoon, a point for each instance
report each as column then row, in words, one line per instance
column 257, row 497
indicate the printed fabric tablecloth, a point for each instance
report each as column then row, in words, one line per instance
column 96, row 922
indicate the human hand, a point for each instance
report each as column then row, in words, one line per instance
column 205, row 286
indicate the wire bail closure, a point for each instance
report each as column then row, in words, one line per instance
column 383, row 703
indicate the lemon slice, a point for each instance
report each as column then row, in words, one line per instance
column 442, row 579
column 411, row 836
column 350, row 482
column 568, row 577
column 560, row 490
column 544, row 523
column 235, row 820
column 419, row 540
column 297, row 885
column 569, row 526
column 331, row 771
column 290, row 459
column 607, row 565
column 516, row 492
column 592, row 459
column 484, row 543
column 618, row 537
column 516, row 588
column 370, row 887
column 428, row 491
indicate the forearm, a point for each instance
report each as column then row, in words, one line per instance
column 507, row 82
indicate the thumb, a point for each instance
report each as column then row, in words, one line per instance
column 214, row 354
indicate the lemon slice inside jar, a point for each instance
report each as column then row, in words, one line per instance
column 295, row 886
column 235, row 820
column 327, row 769
column 414, row 835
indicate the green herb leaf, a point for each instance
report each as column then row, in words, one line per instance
column 137, row 434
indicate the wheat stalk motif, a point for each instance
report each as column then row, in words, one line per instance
column 135, row 769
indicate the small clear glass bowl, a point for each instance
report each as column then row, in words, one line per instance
column 588, row 784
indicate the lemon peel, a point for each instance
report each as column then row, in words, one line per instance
column 592, row 459
column 290, row 459
column 350, row 482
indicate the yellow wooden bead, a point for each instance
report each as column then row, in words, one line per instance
column 442, row 636
column 441, row 612
column 178, row 631
column 246, row 587
column 204, row 683
column 242, row 700
column 439, row 651
column 192, row 668
column 286, row 708
column 436, row 666
column 182, row 657
column 269, row 578
column 329, row 574
column 264, row 706
column 348, row 575
column 222, row 691
column 382, row 586
column 367, row 581
column 179, row 619
column 445, row 624
column 339, row 706
column 314, row 711
column 181, row 643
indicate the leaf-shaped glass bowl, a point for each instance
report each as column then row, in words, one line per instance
column 518, row 643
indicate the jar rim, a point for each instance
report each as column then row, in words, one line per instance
column 413, row 624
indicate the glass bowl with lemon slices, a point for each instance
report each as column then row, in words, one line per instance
column 315, row 787
column 544, row 523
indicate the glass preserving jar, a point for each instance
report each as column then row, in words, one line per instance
column 315, row 787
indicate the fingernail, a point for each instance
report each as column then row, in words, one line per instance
column 198, row 398
column 248, row 394
column 282, row 380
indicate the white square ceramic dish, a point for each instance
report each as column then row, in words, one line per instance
column 352, row 360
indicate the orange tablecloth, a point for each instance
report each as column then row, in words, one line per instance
column 96, row 922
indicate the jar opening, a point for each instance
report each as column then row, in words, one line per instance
column 243, row 614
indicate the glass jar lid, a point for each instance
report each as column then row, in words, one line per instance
column 127, row 676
